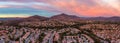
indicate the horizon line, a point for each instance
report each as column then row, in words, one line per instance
column 45, row 16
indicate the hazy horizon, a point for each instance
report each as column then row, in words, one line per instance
column 26, row 16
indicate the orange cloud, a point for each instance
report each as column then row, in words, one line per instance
column 96, row 11
column 83, row 9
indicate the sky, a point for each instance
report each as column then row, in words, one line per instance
column 82, row 8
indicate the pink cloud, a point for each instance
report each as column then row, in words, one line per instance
column 74, row 7
column 77, row 7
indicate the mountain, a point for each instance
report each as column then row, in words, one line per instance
column 65, row 17
column 35, row 18
column 114, row 18
column 60, row 17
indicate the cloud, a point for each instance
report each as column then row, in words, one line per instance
column 83, row 9
column 75, row 7
column 3, row 6
column 115, row 4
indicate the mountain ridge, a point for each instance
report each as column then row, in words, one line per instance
column 64, row 17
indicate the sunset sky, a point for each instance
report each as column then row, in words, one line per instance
column 82, row 8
